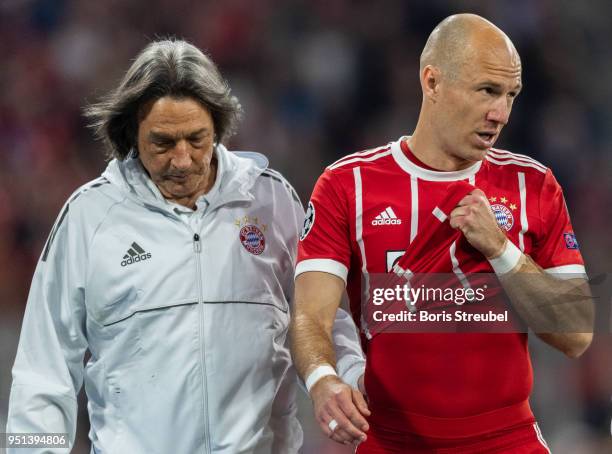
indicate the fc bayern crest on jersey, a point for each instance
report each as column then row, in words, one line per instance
column 308, row 221
column 252, row 239
column 503, row 216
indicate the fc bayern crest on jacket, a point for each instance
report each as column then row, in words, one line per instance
column 251, row 233
column 252, row 239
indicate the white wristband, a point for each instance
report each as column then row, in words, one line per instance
column 321, row 371
column 508, row 260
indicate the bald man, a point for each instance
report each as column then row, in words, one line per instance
column 441, row 200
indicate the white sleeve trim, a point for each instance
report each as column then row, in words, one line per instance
column 325, row 265
column 571, row 271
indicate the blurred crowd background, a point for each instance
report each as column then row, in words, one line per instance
column 317, row 79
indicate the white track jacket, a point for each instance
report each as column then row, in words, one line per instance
column 185, row 320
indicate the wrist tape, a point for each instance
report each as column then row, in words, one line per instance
column 321, row 371
column 508, row 260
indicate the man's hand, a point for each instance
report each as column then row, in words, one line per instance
column 339, row 409
column 473, row 216
column 335, row 400
column 559, row 311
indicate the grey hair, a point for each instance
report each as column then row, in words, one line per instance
column 172, row 68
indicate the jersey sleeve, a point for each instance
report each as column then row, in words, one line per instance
column 556, row 249
column 325, row 240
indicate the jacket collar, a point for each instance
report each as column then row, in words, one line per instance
column 236, row 175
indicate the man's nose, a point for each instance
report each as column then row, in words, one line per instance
column 500, row 111
column 181, row 157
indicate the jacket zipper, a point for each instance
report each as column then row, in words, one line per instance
column 197, row 248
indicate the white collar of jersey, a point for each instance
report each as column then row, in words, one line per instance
column 425, row 174
column 236, row 174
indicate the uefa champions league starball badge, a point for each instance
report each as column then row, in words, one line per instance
column 309, row 219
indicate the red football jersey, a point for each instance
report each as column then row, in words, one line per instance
column 365, row 210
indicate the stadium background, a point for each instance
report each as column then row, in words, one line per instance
column 317, row 79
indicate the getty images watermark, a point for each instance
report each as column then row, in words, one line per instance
column 422, row 295
column 455, row 302
column 34, row 440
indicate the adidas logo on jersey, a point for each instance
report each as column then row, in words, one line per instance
column 135, row 254
column 387, row 217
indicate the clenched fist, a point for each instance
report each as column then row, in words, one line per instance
column 473, row 216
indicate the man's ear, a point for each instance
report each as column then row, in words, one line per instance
column 430, row 81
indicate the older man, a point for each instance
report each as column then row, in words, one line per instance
column 428, row 203
column 175, row 270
